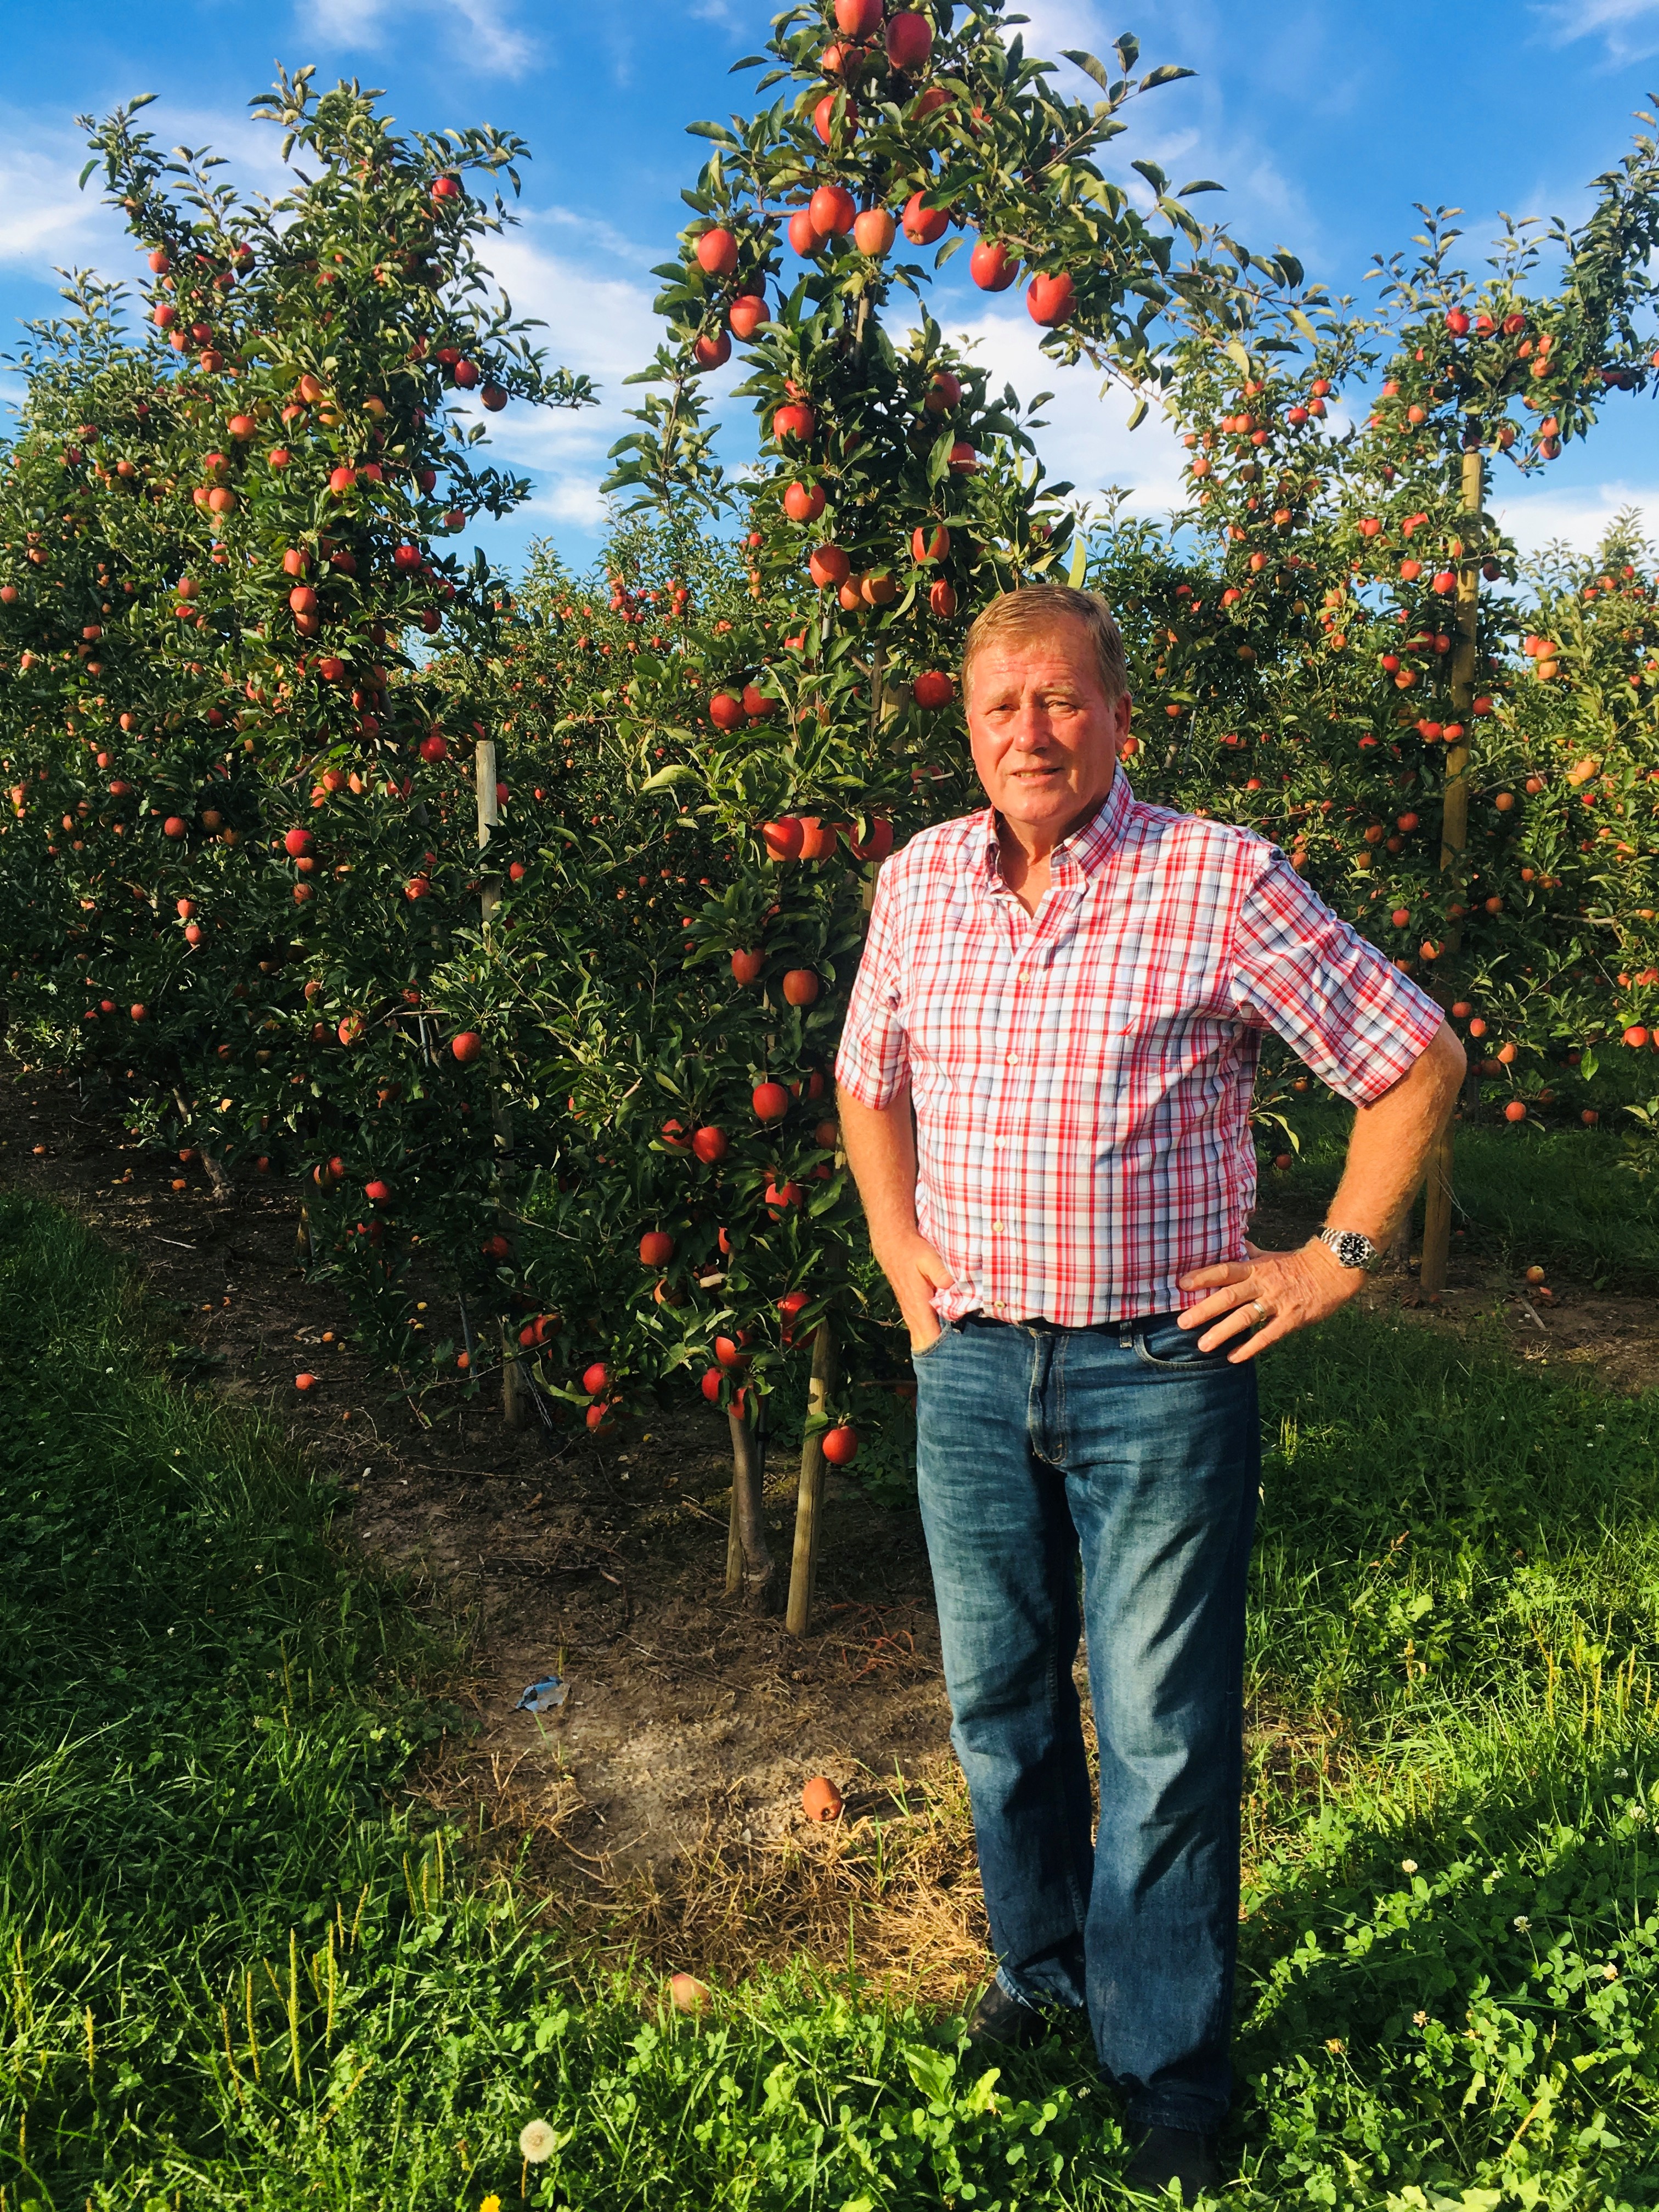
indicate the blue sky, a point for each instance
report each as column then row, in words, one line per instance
column 1327, row 122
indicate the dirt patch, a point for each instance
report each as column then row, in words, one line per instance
column 679, row 1756
column 659, row 1806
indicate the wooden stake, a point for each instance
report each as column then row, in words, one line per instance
column 1454, row 837
column 748, row 1555
column 804, row 1565
column 515, row 1395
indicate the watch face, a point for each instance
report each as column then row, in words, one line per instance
column 1351, row 1248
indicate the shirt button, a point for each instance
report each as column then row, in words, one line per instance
column 1012, row 1058
column 996, row 1229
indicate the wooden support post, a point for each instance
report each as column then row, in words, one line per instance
column 515, row 1394
column 804, row 1565
column 1454, row 837
column 748, row 1555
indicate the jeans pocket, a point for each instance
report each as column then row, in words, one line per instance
column 917, row 1358
column 1164, row 1345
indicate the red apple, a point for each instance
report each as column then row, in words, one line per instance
column 800, row 987
column 710, row 1145
column 829, row 567
column 656, row 1249
column 858, row 19
column 928, row 546
column 877, row 845
column 910, row 41
column 1051, row 300
column 839, row 1445
column 717, row 252
column 942, row 598
column 794, row 420
column 746, row 315
column 832, row 210
column 467, row 1047
column 725, row 710
column 804, row 503
column 923, row 225
column 712, row 349
column 783, row 837
column 933, row 689
column 874, row 231
column 802, row 236
column 770, row 1101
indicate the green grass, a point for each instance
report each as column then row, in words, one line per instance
column 234, row 1977
column 1584, row 1202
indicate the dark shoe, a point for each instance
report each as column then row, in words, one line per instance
column 1000, row 2022
column 1178, row 2155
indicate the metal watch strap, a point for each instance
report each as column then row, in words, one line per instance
column 1351, row 1248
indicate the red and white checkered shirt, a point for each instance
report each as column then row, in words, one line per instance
column 1082, row 1076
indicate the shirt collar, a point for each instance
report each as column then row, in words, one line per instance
column 1087, row 847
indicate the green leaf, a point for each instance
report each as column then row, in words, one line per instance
column 88, row 171
column 717, row 132
column 666, row 778
column 1137, row 414
column 1166, row 72
column 1128, row 50
column 1200, row 184
column 1303, row 325
column 1078, row 568
column 1236, row 353
column 749, row 60
column 1088, row 65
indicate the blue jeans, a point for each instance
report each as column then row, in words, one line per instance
column 1126, row 1445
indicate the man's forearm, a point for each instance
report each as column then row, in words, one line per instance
column 880, row 1143
column 1389, row 1148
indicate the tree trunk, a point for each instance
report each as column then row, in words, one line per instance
column 748, row 1565
column 1454, row 837
column 804, row 1565
column 515, row 1395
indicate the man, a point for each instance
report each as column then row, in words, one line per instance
column 1045, row 1088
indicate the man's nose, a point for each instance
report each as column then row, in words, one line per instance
column 1031, row 732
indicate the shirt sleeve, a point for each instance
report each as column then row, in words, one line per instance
column 874, row 1057
column 1341, row 1006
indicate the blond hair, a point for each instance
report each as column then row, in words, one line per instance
column 1037, row 612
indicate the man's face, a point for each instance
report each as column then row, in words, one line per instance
column 1044, row 734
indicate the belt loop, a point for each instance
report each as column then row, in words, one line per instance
column 1125, row 1335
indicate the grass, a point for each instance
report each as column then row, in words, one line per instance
column 235, row 1976
column 1584, row 1202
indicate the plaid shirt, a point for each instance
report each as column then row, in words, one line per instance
column 1082, row 1077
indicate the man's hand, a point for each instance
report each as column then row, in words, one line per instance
column 1270, row 1294
column 915, row 1272
column 881, row 1151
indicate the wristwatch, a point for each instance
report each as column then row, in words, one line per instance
column 1352, row 1248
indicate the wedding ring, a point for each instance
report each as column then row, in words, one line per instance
column 1260, row 1311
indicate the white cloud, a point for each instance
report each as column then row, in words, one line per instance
column 45, row 219
column 1086, row 442
column 483, row 35
column 1577, row 516
column 599, row 324
column 1628, row 29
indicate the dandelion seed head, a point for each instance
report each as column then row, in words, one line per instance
column 536, row 2140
